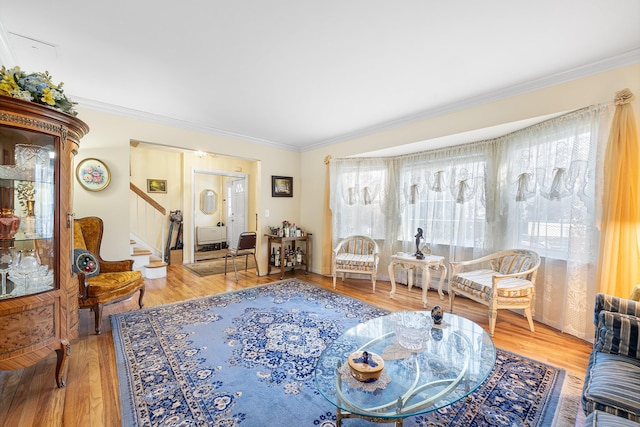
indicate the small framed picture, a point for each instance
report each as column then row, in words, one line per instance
column 281, row 186
column 93, row 174
column 156, row 186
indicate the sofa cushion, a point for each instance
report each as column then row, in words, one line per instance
column 106, row 283
column 618, row 334
column 480, row 282
column 602, row 419
column 612, row 385
column 616, row 304
column 354, row 261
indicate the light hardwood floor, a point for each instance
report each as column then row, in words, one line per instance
column 29, row 397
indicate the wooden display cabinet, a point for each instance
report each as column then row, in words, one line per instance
column 39, row 293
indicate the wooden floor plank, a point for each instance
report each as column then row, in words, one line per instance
column 91, row 395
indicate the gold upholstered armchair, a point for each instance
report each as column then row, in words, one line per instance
column 101, row 282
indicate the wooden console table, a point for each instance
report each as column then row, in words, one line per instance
column 289, row 241
column 410, row 263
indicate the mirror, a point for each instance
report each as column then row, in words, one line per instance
column 208, row 200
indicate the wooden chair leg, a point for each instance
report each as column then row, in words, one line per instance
column 140, row 303
column 527, row 312
column 493, row 315
column 97, row 311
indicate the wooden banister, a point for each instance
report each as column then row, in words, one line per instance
column 147, row 199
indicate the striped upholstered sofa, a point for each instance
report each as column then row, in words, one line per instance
column 612, row 381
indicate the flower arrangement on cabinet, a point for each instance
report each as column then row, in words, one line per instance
column 35, row 87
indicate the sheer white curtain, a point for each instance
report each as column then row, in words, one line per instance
column 363, row 201
column 535, row 188
column 552, row 171
column 445, row 193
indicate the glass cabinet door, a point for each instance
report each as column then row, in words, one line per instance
column 27, row 206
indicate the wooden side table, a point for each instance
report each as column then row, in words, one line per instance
column 289, row 241
column 410, row 263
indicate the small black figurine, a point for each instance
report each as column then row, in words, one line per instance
column 437, row 314
column 419, row 254
column 366, row 360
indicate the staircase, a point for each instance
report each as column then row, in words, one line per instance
column 148, row 221
column 151, row 266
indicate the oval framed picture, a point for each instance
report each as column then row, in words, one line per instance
column 93, row 174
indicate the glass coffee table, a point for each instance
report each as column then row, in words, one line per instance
column 452, row 360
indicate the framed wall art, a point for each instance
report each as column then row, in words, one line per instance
column 281, row 186
column 156, row 186
column 93, row 174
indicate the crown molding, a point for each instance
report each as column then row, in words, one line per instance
column 618, row 61
column 169, row 121
column 608, row 64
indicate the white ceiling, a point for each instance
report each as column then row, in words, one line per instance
column 299, row 74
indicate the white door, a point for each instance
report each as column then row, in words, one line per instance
column 236, row 209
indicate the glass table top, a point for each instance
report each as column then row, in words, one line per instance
column 452, row 360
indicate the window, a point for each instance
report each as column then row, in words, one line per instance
column 446, row 199
column 358, row 199
column 553, row 204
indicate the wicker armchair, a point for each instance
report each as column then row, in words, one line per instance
column 509, row 282
column 357, row 255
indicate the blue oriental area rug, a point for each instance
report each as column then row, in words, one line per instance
column 246, row 358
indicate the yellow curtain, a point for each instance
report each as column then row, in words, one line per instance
column 619, row 245
column 327, row 246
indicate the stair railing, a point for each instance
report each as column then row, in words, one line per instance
column 148, row 221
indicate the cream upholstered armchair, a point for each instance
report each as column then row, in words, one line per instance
column 505, row 279
column 358, row 255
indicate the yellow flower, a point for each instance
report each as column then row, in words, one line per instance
column 47, row 97
column 34, row 87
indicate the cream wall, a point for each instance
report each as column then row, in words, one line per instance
column 158, row 164
column 576, row 94
column 109, row 140
column 110, row 135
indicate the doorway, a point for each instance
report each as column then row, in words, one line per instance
column 236, row 191
column 219, row 209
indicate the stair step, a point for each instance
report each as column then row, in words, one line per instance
column 155, row 270
column 156, row 264
column 140, row 251
column 132, row 242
